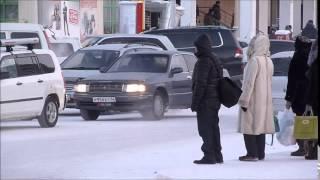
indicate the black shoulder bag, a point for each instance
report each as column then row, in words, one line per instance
column 229, row 91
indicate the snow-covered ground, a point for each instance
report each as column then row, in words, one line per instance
column 127, row 147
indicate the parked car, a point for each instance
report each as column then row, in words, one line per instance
column 148, row 82
column 87, row 61
column 225, row 45
column 155, row 40
column 244, row 43
column 63, row 47
column 31, row 84
column 277, row 46
column 281, row 46
column 281, row 63
column 25, row 30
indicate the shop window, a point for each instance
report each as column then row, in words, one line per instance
column 110, row 16
column 9, row 11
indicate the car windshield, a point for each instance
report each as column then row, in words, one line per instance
column 90, row 59
column 89, row 41
column 153, row 63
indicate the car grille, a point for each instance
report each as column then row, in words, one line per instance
column 105, row 87
column 69, row 87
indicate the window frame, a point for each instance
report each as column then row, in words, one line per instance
column 185, row 69
column 40, row 65
column 34, row 61
column 15, row 65
column 187, row 62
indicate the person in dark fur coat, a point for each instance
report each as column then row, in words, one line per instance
column 312, row 96
column 205, row 100
column 298, row 82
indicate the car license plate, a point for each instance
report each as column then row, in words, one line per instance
column 104, row 99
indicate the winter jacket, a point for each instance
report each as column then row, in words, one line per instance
column 256, row 90
column 297, row 80
column 216, row 12
column 206, row 74
column 313, row 55
column 313, row 89
column 208, row 19
column 310, row 31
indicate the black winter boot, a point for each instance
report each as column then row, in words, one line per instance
column 205, row 160
column 248, row 158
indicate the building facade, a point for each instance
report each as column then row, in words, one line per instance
column 75, row 18
column 264, row 15
column 89, row 17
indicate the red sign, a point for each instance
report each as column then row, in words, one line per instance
column 73, row 16
column 139, row 15
column 88, row 3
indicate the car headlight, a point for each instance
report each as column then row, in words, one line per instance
column 135, row 88
column 81, row 88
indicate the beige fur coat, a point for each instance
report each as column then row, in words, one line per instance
column 256, row 90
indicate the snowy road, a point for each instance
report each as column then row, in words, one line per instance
column 127, row 147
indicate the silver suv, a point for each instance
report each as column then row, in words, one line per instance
column 88, row 61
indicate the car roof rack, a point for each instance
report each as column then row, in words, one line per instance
column 9, row 43
column 141, row 44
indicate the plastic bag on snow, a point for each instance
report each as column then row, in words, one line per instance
column 286, row 123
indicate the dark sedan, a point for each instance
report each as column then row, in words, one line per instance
column 148, row 82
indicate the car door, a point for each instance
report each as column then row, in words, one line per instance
column 31, row 86
column 280, row 80
column 180, row 83
column 10, row 91
column 190, row 61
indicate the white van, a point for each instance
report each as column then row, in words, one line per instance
column 24, row 30
column 63, row 47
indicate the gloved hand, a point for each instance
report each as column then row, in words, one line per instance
column 244, row 109
column 288, row 105
column 194, row 107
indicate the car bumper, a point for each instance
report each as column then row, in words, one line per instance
column 123, row 103
column 70, row 103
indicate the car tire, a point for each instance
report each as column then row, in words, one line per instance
column 157, row 110
column 49, row 114
column 89, row 115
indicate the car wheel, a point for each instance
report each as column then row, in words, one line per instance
column 49, row 114
column 89, row 115
column 157, row 110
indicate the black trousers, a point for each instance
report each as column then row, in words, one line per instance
column 255, row 145
column 208, row 127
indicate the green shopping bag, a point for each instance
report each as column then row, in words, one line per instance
column 306, row 127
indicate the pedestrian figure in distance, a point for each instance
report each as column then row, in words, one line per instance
column 256, row 112
column 298, row 83
column 197, row 13
column 309, row 30
column 289, row 28
column 65, row 19
column 216, row 15
column 205, row 100
column 208, row 20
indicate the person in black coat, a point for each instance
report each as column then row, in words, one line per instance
column 298, row 82
column 216, row 14
column 312, row 96
column 205, row 100
column 309, row 30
